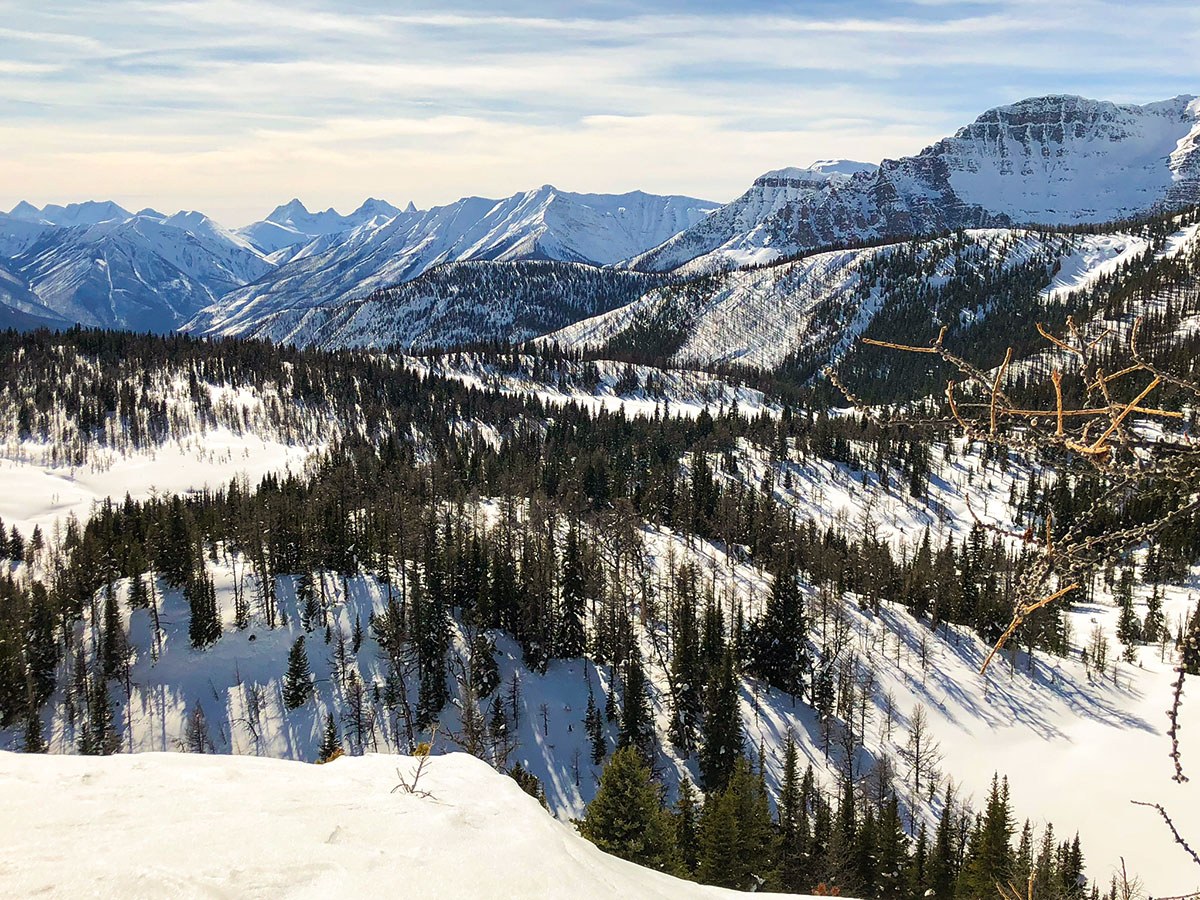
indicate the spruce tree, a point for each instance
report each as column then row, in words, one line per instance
column 687, row 838
column 723, row 744
column 329, row 741
column 297, row 681
column 780, row 638
column 637, row 723
column 626, row 817
column 572, row 640
column 595, row 729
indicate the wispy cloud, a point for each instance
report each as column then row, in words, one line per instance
column 231, row 104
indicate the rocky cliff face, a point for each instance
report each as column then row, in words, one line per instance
column 1047, row 160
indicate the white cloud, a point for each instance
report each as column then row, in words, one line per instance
column 233, row 104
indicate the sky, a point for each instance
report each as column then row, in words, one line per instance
column 235, row 106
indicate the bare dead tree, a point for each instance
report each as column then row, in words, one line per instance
column 1101, row 437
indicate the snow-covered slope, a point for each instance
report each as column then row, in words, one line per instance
column 1074, row 722
column 456, row 303
column 1046, row 160
column 542, row 224
column 205, row 827
column 816, row 305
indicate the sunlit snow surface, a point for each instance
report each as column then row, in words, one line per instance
column 185, row 826
column 36, row 492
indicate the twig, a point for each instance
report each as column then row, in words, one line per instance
column 1174, row 831
column 1019, row 616
column 1173, row 715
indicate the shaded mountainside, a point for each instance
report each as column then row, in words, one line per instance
column 107, row 268
column 543, row 224
column 457, row 303
column 988, row 287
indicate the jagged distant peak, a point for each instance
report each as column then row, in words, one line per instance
column 373, row 206
column 286, row 211
column 89, row 212
column 25, row 211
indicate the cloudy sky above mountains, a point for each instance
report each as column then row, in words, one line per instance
column 233, row 106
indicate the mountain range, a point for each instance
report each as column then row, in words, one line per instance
column 1054, row 160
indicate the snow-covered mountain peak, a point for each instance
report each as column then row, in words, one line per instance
column 1057, row 159
column 373, row 208
column 26, row 212
column 91, row 212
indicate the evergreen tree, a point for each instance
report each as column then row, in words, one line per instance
column 637, row 723
column 723, row 744
column 942, row 866
column 780, row 639
column 737, row 834
column 204, row 627
column 34, row 742
column 687, row 838
column 992, row 856
column 792, row 844
column 297, row 681
column 572, row 639
column 595, row 729
column 626, row 817
column 891, row 853
column 329, row 742
column 485, row 672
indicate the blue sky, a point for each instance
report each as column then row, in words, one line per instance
column 233, row 106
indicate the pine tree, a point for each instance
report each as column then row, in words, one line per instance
column 572, row 638
column 595, row 729
column 297, row 682
column 687, row 827
column 637, row 724
column 942, row 865
column 723, row 744
column 780, row 638
column 329, row 742
column 626, row 817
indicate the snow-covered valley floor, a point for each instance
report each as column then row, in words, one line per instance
column 36, row 491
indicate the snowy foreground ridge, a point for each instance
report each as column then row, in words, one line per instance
column 181, row 825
